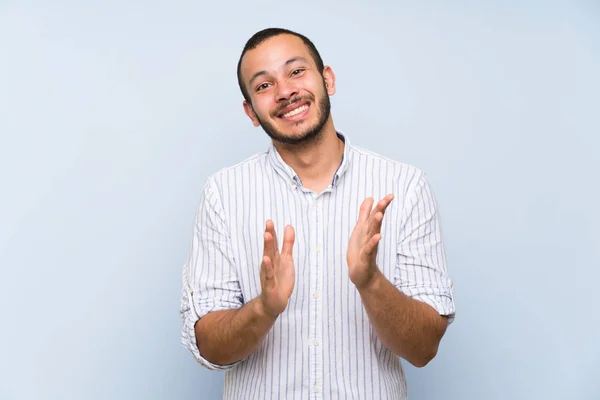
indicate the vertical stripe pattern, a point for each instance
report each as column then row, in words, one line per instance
column 323, row 345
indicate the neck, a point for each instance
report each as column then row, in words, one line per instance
column 316, row 161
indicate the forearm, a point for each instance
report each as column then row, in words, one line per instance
column 408, row 327
column 227, row 336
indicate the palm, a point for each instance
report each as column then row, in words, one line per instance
column 362, row 246
column 356, row 256
column 277, row 274
column 284, row 277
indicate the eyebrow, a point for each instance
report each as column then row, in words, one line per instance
column 264, row 72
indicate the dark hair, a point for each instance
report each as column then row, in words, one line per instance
column 265, row 34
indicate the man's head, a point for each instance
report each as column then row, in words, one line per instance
column 285, row 85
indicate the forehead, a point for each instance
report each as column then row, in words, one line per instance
column 272, row 54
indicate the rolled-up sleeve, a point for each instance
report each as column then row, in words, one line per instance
column 209, row 279
column 421, row 270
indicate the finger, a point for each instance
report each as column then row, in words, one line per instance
column 271, row 229
column 372, row 244
column 375, row 223
column 288, row 241
column 268, row 246
column 378, row 213
column 269, row 273
column 382, row 204
column 365, row 209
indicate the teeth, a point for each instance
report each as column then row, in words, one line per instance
column 296, row 111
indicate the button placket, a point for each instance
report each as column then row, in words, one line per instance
column 315, row 343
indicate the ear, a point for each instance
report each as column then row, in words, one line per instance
column 250, row 113
column 329, row 77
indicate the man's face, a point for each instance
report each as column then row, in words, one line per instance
column 289, row 96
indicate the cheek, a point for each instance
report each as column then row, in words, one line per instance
column 318, row 90
column 263, row 107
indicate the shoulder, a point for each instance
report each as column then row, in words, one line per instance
column 233, row 175
column 225, row 182
column 405, row 174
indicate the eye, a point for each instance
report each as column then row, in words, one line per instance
column 262, row 86
column 297, row 71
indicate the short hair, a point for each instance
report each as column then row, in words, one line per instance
column 265, row 34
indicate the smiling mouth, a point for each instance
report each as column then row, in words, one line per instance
column 295, row 111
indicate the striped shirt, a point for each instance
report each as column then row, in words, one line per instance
column 322, row 345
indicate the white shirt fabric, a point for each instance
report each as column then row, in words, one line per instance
column 322, row 346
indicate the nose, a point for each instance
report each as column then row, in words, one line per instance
column 286, row 91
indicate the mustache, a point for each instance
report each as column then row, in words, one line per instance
column 290, row 102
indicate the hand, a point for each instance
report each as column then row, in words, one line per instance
column 362, row 246
column 277, row 275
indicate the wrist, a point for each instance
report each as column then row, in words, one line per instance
column 263, row 311
column 373, row 283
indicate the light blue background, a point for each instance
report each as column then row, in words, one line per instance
column 112, row 115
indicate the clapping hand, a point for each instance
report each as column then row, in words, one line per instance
column 362, row 246
column 277, row 274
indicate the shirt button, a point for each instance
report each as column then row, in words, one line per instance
column 315, row 295
column 316, row 342
column 316, row 389
column 318, row 249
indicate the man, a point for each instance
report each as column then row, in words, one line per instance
column 296, row 283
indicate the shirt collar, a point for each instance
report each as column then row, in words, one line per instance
column 292, row 177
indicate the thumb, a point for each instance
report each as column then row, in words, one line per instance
column 289, row 237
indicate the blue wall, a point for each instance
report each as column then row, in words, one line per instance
column 112, row 115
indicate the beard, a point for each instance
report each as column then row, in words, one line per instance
column 308, row 133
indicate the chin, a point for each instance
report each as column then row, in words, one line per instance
column 292, row 136
column 297, row 132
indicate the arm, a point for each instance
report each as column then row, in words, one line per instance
column 228, row 336
column 408, row 327
column 218, row 328
column 411, row 313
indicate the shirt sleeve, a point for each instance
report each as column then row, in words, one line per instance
column 209, row 279
column 421, row 270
